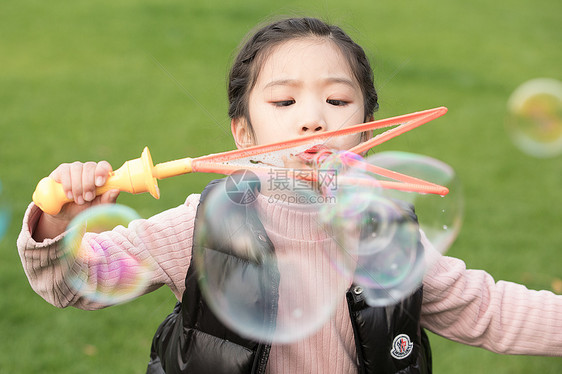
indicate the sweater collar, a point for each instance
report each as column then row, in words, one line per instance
column 292, row 220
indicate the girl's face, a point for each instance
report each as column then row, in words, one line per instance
column 305, row 86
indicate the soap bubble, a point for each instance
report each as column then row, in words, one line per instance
column 378, row 239
column 440, row 217
column 334, row 166
column 95, row 272
column 5, row 213
column 378, row 231
column 534, row 119
column 264, row 267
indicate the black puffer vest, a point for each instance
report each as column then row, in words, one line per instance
column 192, row 340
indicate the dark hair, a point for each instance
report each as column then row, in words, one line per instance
column 247, row 65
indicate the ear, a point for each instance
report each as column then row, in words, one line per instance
column 367, row 134
column 242, row 133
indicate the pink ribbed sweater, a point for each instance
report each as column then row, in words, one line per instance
column 466, row 306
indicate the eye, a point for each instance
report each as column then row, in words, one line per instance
column 335, row 102
column 283, row 103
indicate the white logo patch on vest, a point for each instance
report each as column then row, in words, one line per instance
column 401, row 347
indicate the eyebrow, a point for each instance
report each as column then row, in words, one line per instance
column 296, row 83
column 282, row 82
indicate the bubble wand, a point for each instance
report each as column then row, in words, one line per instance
column 140, row 174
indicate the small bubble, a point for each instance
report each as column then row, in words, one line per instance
column 5, row 213
column 111, row 277
column 534, row 119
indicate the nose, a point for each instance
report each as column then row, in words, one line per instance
column 311, row 116
column 311, row 128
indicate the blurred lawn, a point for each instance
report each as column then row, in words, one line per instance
column 100, row 80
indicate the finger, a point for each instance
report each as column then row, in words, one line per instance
column 109, row 197
column 76, row 182
column 62, row 175
column 88, row 181
column 103, row 168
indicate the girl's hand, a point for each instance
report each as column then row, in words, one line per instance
column 79, row 181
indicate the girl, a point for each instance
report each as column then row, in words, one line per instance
column 293, row 77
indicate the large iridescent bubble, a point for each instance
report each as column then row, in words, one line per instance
column 96, row 272
column 378, row 229
column 440, row 217
column 264, row 262
column 534, row 119
column 377, row 238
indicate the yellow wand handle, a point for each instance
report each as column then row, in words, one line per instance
column 134, row 176
column 49, row 196
column 172, row 168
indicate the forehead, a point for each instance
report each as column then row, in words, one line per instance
column 305, row 58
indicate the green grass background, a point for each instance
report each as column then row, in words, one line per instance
column 92, row 80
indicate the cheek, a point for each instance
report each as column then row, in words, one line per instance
column 352, row 115
column 263, row 114
column 346, row 142
column 273, row 126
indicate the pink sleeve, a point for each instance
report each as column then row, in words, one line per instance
column 160, row 245
column 469, row 307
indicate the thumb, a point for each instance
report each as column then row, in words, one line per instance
column 109, row 197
